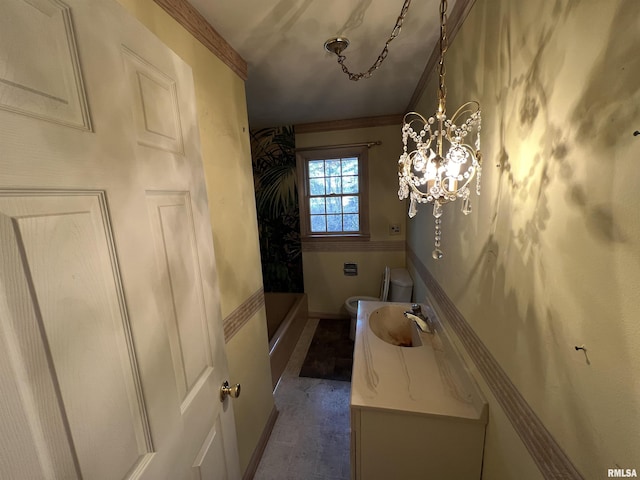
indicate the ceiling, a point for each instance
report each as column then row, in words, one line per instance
column 293, row 80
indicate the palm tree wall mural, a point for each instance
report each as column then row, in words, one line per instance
column 274, row 172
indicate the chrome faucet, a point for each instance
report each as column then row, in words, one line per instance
column 419, row 318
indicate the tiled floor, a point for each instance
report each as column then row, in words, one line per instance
column 310, row 440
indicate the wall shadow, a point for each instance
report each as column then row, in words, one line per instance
column 548, row 194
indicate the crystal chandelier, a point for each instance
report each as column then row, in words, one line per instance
column 438, row 162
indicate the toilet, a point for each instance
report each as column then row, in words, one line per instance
column 397, row 286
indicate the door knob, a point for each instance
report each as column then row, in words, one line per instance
column 227, row 390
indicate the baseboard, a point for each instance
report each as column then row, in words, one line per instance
column 260, row 447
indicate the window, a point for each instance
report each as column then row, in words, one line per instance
column 333, row 199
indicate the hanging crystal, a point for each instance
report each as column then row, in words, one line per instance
column 437, row 209
column 413, row 207
column 478, row 163
column 466, row 205
column 437, row 253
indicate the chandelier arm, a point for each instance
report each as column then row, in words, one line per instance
column 472, row 170
column 408, row 115
column 419, row 192
column 473, row 151
column 469, row 107
column 406, row 170
column 464, row 185
column 385, row 51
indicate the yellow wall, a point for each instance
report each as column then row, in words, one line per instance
column 226, row 153
column 324, row 282
column 550, row 258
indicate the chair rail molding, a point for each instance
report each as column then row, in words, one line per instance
column 552, row 461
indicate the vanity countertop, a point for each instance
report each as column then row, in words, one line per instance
column 426, row 380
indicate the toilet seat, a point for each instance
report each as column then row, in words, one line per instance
column 351, row 303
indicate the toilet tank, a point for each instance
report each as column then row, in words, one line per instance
column 401, row 285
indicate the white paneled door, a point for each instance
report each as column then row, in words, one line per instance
column 111, row 344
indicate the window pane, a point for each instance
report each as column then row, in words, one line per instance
column 316, row 186
column 318, row 223
column 334, row 223
column 333, row 168
column 351, row 223
column 349, row 166
column 334, row 185
column 316, row 205
column 333, row 205
column 350, row 204
column 316, row 168
column 350, row 184
column 333, row 195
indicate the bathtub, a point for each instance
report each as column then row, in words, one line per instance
column 286, row 317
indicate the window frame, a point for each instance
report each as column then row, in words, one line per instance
column 303, row 157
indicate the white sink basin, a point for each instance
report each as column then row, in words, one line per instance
column 390, row 325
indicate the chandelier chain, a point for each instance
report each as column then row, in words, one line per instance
column 385, row 51
column 442, row 89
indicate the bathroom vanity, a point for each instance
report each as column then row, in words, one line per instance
column 416, row 413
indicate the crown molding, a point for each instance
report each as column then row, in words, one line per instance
column 198, row 26
column 363, row 122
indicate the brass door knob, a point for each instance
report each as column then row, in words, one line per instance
column 227, row 390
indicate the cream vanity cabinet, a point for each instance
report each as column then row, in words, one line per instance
column 415, row 411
